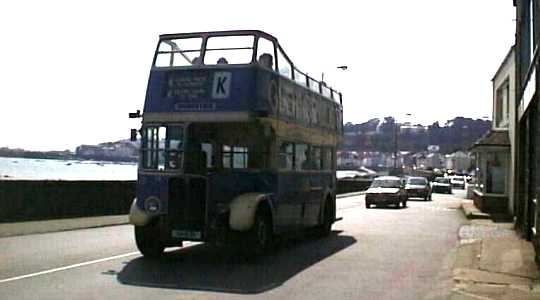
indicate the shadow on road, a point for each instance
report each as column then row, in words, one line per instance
column 207, row 268
column 417, row 199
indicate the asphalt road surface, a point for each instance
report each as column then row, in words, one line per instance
column 377, row 253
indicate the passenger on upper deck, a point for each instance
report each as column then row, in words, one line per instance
column 222, row 61
column 197, row 61
column 266, row 61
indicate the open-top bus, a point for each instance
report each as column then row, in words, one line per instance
column 236, row 143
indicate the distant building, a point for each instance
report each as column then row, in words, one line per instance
column 433, row 148
column 458, row 161
column 348, row 160
column 121, row 150
column 88, row 151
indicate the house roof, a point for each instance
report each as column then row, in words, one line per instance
column 504, row 62
column 493, row 138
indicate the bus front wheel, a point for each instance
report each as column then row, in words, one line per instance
column 261, row 234
column 147, row 240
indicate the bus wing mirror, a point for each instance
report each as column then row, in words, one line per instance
column 133, row 137
column 135, row 115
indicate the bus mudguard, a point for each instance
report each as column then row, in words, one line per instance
column 243, row 209
column 137, row 216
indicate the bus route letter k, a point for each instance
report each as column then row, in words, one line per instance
column 222, row 85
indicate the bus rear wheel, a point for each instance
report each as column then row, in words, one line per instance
column 324, row 229
column 147, row 240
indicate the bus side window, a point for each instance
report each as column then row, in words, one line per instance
column 316, row 158
column 207, row 148
column 301, row 157
column 286, row 156
column 327, row 158
column 235, row 157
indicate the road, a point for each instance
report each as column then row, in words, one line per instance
column 377, row 253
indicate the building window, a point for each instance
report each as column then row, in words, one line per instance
column 501, row 105
column 495, row 173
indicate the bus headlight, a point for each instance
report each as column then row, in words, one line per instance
column 152, row 205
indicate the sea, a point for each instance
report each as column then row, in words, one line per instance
column 54, row 169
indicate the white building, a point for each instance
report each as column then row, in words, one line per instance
column 458, row 161
column 495, row 152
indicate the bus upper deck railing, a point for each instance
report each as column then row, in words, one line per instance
column 240, row 47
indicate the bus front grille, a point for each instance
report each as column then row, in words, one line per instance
column 187, row 203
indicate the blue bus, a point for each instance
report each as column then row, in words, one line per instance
column 237, row 144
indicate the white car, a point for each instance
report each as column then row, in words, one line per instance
column 457, row 181
column 352, row 174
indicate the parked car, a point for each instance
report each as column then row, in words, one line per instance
column 457, row 181
column 386, row 190
column 350, row 174
column 418, row 187
column 441, row 185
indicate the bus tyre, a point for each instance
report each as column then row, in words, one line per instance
column 325, row 228
column 147, row 240
column 261, row 234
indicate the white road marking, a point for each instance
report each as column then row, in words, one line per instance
column 69, row 267
column 186, row 244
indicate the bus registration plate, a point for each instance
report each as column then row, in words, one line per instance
column 186, row 234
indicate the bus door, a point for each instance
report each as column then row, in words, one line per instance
column 307, row 187
column 314, row 200
column 292, row 189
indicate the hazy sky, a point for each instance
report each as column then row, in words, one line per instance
column 72, row 70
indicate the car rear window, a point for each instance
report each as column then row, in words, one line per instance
column 386, row 183
column 442, row 180
column 417, row 181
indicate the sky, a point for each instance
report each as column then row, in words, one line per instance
column 71, row 71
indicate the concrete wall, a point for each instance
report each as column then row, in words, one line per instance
column 27, row 200
column 491, row 203
column 352, row 185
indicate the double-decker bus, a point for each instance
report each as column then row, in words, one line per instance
column 237, row 144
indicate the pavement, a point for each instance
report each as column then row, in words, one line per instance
column 492, row 261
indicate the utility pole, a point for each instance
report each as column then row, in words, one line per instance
column 395, row 144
